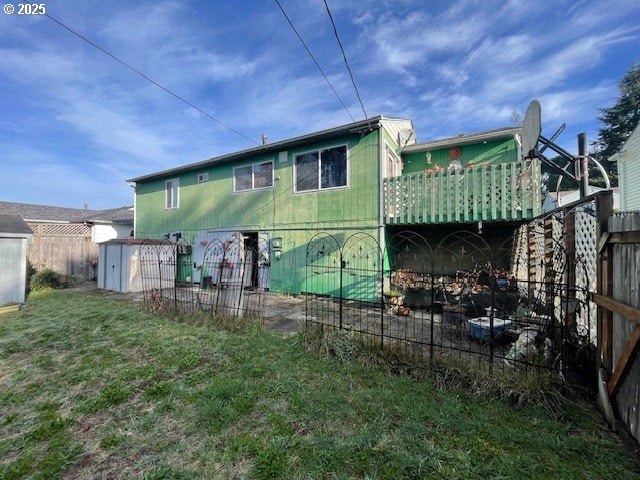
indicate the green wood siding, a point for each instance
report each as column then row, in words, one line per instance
column 213, row 204
column 278, row 211
column 497, row 151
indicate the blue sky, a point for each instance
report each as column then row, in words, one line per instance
column 75, row 124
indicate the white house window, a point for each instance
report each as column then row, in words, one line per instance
column 172, row 193
column 253, row 177
column 321, row 169
column 203, row 177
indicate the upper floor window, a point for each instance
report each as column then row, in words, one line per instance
column 172, row 193
column 321, row 169
column 253, row 177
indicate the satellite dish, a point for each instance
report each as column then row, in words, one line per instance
column 531, row 128
column 406, row 136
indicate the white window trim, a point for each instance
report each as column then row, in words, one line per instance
column 203, row 177
column 397, row 164
column 318, row 150
column 175, row 184
column 253, row 165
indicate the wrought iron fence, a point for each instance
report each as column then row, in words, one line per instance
column 460, row 298
column 230, row 277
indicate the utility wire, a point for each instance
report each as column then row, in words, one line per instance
column 150, row 80
column 344, row 55
column 314, row 60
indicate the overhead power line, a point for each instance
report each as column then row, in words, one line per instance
column 150, row 80
column 314, row 60
column 344, row 55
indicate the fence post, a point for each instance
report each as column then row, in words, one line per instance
column 431, row 313
column 570, row 249
column 219, row 284
column 382, row 301
column 491, row 318
column 343, row 264
column 531, row 268
column 175, row 278
column 604, row 284
column 549, row 271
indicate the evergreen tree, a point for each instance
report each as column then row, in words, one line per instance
column 619, row 121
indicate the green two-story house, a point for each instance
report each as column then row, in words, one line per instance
column 368, row 176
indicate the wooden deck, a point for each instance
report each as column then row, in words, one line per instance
column 501, row 192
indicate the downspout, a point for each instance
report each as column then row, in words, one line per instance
column 135, row 210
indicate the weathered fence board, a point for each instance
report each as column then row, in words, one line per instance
column 67, row 249
column 620, row 337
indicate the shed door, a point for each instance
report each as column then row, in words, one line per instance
column 10, row 270
column 113, row 267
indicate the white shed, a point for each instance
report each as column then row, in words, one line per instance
column 15, row 235
column 121, row 263
column 628, row 158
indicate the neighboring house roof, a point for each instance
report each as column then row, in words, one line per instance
column 121, row 215
column 13, row 224
column 372, row 123
column 45, row 213
column 488, row 135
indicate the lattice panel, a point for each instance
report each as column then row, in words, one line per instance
column 559, row 254
column 586, row 258
column 61, row 229
column 586, row 254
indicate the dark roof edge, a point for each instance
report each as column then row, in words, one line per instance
column 373, row 123
column 494, row 134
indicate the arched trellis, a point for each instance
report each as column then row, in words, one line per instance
column 408, row 268
column 392, row 293
column 462, row 250
column 323, row 280
column 158, row 271
column 362, row 268
column 408, row 250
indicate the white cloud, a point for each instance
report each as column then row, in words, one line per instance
column 114, row 131
column 576, row 105
column 61, row 184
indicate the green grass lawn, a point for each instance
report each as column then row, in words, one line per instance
column 91, row 387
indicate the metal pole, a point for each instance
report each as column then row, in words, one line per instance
column 382, row 301
column 584, row 164
column 343, row 264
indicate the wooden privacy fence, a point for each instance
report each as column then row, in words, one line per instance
column 618, row 299
column 65, row 248
column 506, row 191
